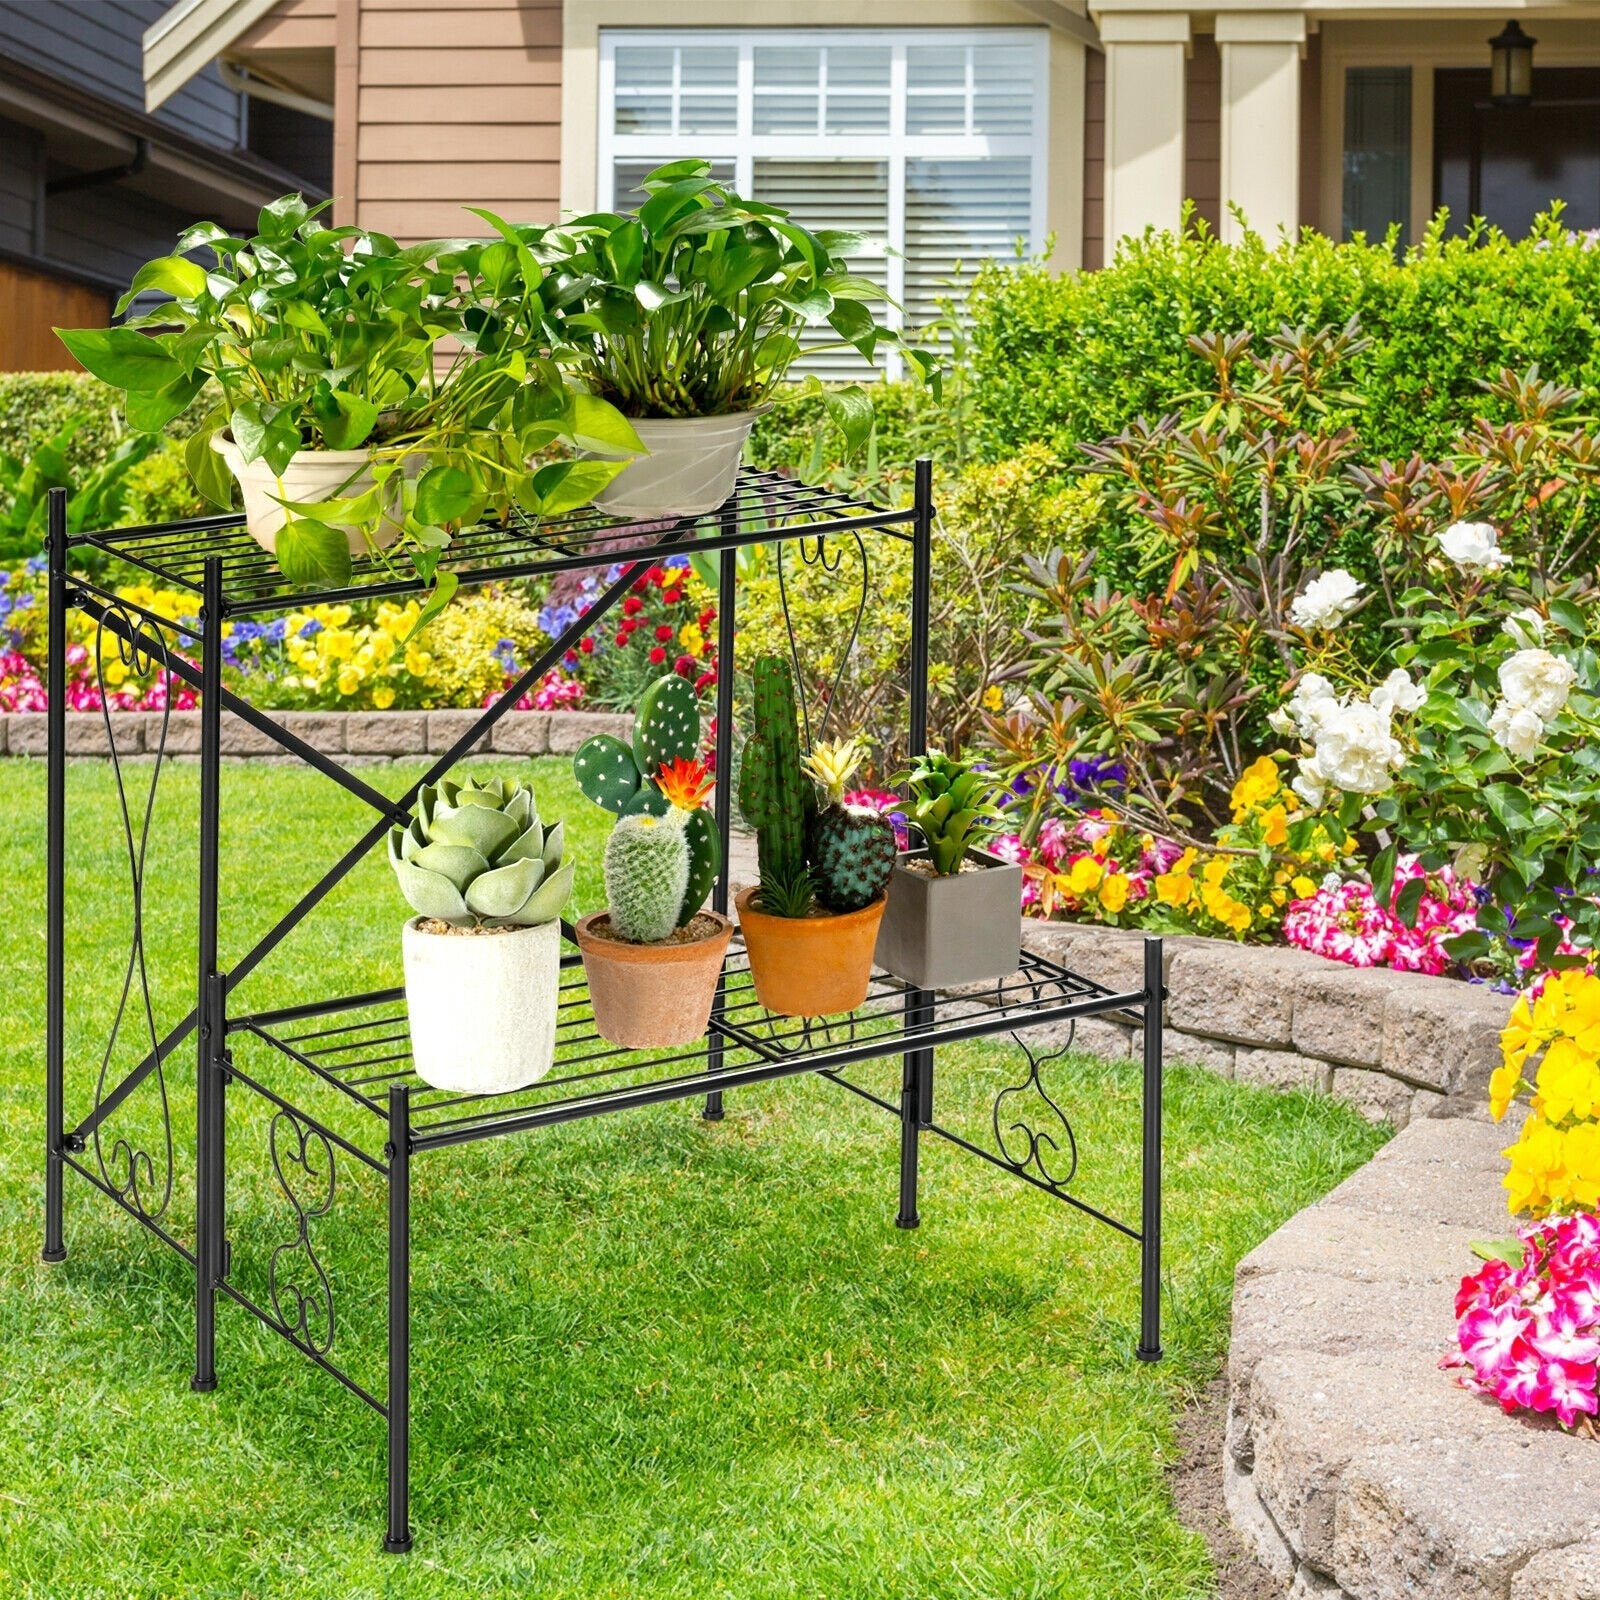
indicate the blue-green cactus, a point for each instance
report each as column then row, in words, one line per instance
column 623, row 778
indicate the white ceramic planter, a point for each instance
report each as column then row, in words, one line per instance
column 310, row 477
column 690, row 470
column 482, row 1007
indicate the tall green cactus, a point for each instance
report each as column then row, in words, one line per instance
column 774, row 793
column 647, row 873
column 622, row 777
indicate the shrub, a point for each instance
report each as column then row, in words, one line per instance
column 1074, row 358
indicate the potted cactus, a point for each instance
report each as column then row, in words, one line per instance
column 483, row 953
column 954, row 911
column 811, row 922
column 654, row 955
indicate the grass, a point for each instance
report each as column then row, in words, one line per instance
column 653, row 1357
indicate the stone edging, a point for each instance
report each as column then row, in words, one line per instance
column 1353, row 1465
column 359, row 735
column 1396, row 1045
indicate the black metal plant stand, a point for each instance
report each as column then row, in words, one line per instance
column 350, row 1052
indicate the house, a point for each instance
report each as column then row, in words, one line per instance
column 945, row 131
column 92, row 185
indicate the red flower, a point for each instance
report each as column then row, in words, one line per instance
column 631, row 604
column 640, row 584
column 587, row 645
column 705, row 680
column 683, row 666
column 657, row 656
column 622, row 641
column 707, row 617
column 664, row 632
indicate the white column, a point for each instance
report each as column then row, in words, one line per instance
column 1144, row 185
column 1261, row 53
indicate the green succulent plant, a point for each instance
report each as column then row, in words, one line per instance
column 954, row 805
column 477, row 854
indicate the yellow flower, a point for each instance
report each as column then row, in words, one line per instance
column 116, row 673
column 1538, row 1168
column 993, row 699
column 418, row 661
column 691, row 638
column 1214, row 871
column 1114, row 893
column 1259, row 783
column 1275, row 827
column 1568, row 1082
column 1303, row 887
column 349, row 680
column 1503, row 1084
column 1084, row 874
column 383, row 697
column 1583, row 1164
column 1174, row 888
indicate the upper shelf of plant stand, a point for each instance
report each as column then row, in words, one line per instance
column 764, row 506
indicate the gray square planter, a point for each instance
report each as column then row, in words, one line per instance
column 940, row 932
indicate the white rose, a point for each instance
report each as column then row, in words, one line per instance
column 1526, row 628
column 1474, row 547
column 1398, row 693
column 1311, row 703
column 1356, row 751
column 1310, row 784
column 1518, row 730
column 1536, row 681
column 1328, row 600
column 1281, row 721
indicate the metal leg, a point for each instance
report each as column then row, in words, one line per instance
column 1150, row 1221
column 916, row 1107
column 212, row 1040
column 727, row 587
column 55, row 1248
column 398, row 1539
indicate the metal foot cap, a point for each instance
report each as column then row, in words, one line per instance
column 908, row 1222
column 203, row 1385
column 397, row 1547
column 1149, row 1355
column 58, row 1254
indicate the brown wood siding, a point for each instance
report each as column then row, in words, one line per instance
column 1202, row 131
column 293, row 25
column 1094, row 160
column 32, row 304
column 458, row 104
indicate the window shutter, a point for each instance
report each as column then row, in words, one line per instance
column 848, row 195
column 960, row 213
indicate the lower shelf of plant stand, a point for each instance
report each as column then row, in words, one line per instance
column 360, row 1046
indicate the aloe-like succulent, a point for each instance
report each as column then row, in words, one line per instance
column 955, row 806
column 476, row 853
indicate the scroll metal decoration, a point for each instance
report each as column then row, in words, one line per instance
column 141, row 1179
column 818, row 552
column 1031, row 1131
column 302, row 1293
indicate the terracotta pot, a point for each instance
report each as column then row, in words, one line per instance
column 649, row 996
column 810, row 966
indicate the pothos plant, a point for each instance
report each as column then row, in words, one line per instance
column 694, row 304
column 432, row 359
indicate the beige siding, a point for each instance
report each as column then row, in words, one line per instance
column 1094, row 160
column 459, row 104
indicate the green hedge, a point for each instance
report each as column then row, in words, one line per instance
column 1062, row 359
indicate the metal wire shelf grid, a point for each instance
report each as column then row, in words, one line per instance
column 360, row 1045
column 765, row 506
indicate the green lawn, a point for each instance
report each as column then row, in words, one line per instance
column 653, row 1356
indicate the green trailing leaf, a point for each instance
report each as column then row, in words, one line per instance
column 122, row 357
column 313, row 553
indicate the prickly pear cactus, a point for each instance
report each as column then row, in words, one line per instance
column 774, row 793
column 852, row 851
column 646, row 872
column 667, row 727
column 705, row 862
column 607, row 773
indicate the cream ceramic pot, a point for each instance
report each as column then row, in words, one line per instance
column 689, row 471
column 310, row 477
column 482, row 1006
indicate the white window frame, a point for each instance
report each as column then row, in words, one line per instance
column 744, row 147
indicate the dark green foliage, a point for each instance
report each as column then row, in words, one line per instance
column 852, row 852
column 774, row 793
column 1069, row 358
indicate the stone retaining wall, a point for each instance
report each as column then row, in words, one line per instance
column 1356, row 1468
column 353, row 735
column 1396, row 1045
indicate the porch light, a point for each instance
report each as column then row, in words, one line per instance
column 1511, row 67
